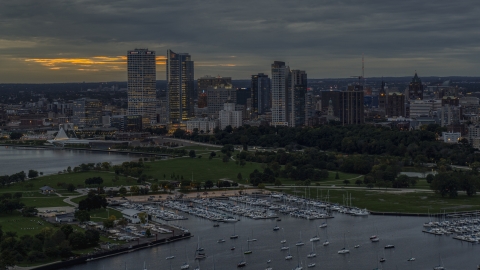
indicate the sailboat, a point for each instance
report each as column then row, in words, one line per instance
column 383, row 258
column 276, row 228
column 326, row 243
column 248, row 251
column 185, row 265
column 234, row 235
column 411, row 258
column 312, row 253
column 171, row 256
column 198, row 245
column 344, row 250
column 440, row 266
column 252, row 239
column 300, row 242
column 284, row 240
column 315, row 238
column 289, row 256
column 242, row 263
column 198, row 253
column 374, row 238
column 299, row 266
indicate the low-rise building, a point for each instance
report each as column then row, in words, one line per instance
column 451, row 137
column 47, row 190
column 131, row 215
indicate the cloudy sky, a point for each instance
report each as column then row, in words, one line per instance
column 87, row 40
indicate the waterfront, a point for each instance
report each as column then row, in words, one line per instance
column 15, row 159
column 403, row 232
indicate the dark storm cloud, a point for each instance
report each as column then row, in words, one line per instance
column 239, row 38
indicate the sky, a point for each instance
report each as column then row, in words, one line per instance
column 86, row 40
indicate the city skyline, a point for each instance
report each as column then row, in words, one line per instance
column 75, row 41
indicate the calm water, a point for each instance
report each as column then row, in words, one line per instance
column 13, row 160
column 403, row 232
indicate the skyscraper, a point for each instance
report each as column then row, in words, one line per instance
column 261, row 94
column 180, row 87
column 296, row 98
column 279, row 86
column 141, row 84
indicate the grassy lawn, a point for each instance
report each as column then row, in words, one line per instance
column 51, row 201
column 15, row 222
column 202, row 168
column 330, row 180
column 413, row 202
column 101, row 214
column 199, row 147
column 73, row 178
column 78, row 199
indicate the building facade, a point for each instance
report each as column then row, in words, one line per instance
column 208, row 81
column 180, row 87
column 279, row 84
column 395, row 105
column 216, row 97
column 261, row 93
column 141, row 84
column 415, row 88
column 202, row 124
column 229, row 116
column 87, row 112
column 296, row 98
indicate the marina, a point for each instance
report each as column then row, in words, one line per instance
column 251, row 243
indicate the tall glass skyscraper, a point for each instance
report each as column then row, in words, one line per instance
column 296, row 98
column 279, row 85
column 141, row 84
column 180, row 87
column 260, row 93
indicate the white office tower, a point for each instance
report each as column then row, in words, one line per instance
column 229, row 116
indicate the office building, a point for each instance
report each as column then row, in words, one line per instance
column 127, row 123
column 208, row 81
column 87, row 112
column 415, row 88
column 141, row 84
column 180, row 87
column 229, row 116
column 261, row 94
column 296, row 98
column 279, row 85
column 217, row 96
column 395, row 105
column 347, row 105
column 449, row 115
column 382, row 97
column 424, row 107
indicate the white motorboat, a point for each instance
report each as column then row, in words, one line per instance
column 310, row 265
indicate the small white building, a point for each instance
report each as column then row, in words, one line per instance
column 205, row 124
column 131, row 215
column 451, row 137
column 229, row 116
column 47, row 190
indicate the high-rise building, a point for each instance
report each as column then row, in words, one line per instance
column 180, row 87
column 261, row 94
column 395, row 105
column 208, row 81
column 216, row 97
column 415, row 88
column 87, row 112
column 126, row 123
column 279, row 85
column 296, row 98
column 382, row 98
column 141, row 84
column 346, row 105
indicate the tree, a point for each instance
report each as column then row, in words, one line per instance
column 358, row 182
column 29, row 211
column 82, row 216
column 69, row 169
column 261, row 186
column 15, row 135
column 430, row 178
column 122, row 191
column 32, row 174
column 239, row 177
column 142, row 217
column 212, row 155
column 134, row 190
column 337, row 176
column 148, row 233
column 154, row 188
column 71, row 187
column 209, row 184
column 192, row 154
column 109, row 223
column 346, row 182
column 278, row 182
